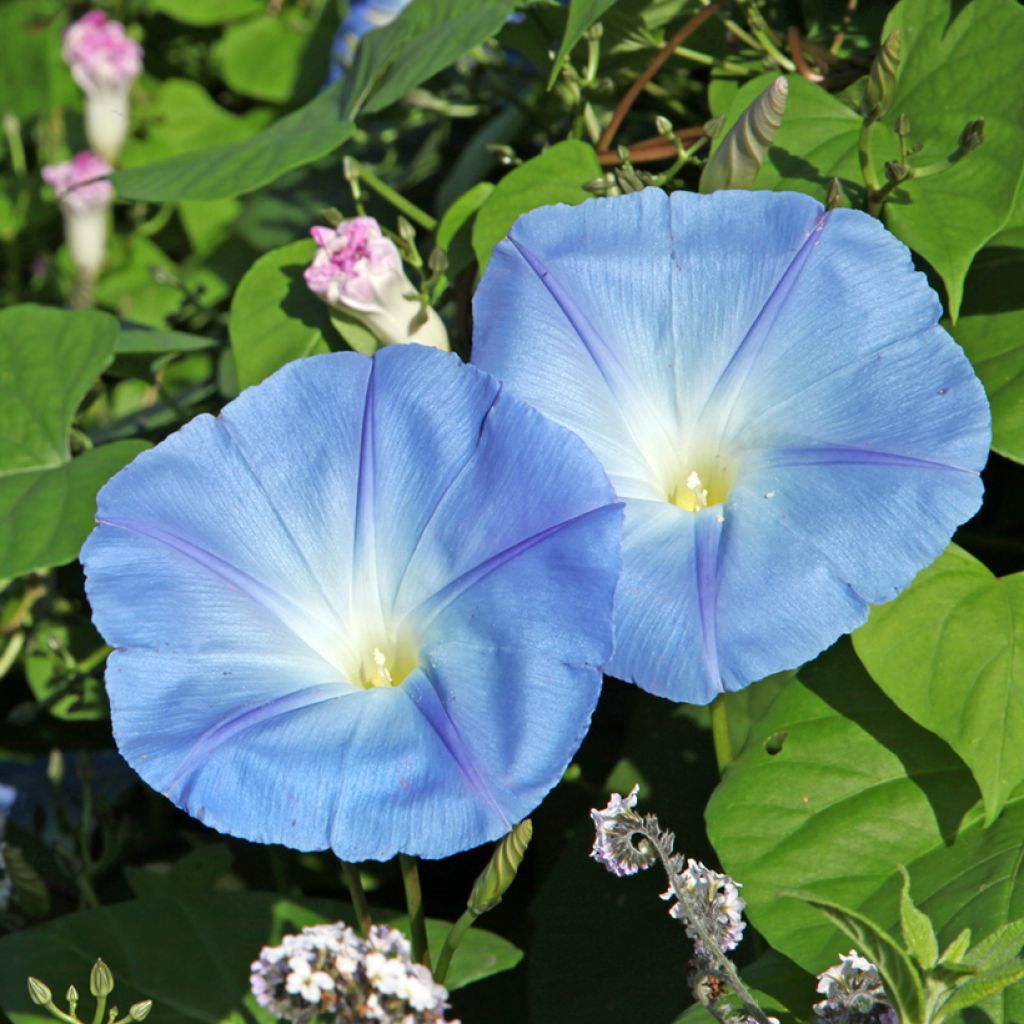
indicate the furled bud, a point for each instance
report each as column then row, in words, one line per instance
column 972, row 136
column 39, row 993
column 140, row 1011
column 500, row 873
column 735, row 163
column 84, row 195
column 358, row 272
column 882, row 79
column 101, row 981
column 104, row 61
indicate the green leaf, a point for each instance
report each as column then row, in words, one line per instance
column 455, row 232
column 202, row 12
column 33, row 78
column 425, row 38
column 902, row 980
column 136, row 339
column 196, row 872
column 47, row 499
column 950, row 73
column 582, row 14
column 48, row 513
column 950, row 652
column 835, row 788
column 991, row 330
column 982, row 987
column 275, row 318
column 180, row 116
column 262, row 58
column 234, row 168
column 190, row 953
column 555, row 176
column 956, row 951
column 998, row 946
column 918, row 933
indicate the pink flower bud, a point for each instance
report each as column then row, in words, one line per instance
column 104, row 61
column 84, row 195
column 358, row 271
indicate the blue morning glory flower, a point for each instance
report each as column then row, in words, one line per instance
column 363, row 16
column 766, row 385
column 363, row 608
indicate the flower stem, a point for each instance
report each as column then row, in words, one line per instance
column 414, row 901
column 399, row 202
column 720, row 733
column 867, row 166
column 355, row 889
column 451, row 943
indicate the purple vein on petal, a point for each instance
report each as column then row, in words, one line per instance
column 421, row 691
column 364, row 539
column 707, row 539
column 429, row 609
column 849, row 455
column 231, row 726
column 297, row 620
column 447, row 489
column 749, row 349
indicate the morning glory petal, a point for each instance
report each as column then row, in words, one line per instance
column 259, row 574
column 767, row 387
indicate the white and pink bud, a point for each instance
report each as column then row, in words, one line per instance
column 358, row 271
column 104, row 61
column 85, row 196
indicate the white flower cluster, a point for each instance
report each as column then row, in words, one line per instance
column 328, row 969
column 614, row 830
column 714, row 898
column 853, row 993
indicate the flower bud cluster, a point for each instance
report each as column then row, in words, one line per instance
column 358, row 271
column 615, row 828
column 711, row 897
column 104, row 61
column 853, row 994
column 330, row 970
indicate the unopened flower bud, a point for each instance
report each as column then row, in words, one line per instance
column 895, row 171
column 104, row 61
column 736, row 161
column 835, row 196
column 882, row 79
column 39, row 993
column 972, row 136
column 663, row 126
column 902, row 125
column 101, row 981
column 500, row 873
column 84, row 195
column 72, row 997
column 713, row 127
column 140, row 1011
column 358, row 272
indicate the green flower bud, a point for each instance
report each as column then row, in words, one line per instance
column 140, row 1011
column 38, row 992
column 882, row 80
column 739, row 156
column 495, row 879
column 72, row 997
column 663, row 126
column 101, row 981
column 835, row 196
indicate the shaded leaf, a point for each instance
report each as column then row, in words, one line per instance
column 950, row 652
column 275, row 318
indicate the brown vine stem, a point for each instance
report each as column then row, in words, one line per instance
column 837, row 40
column 796, row 49
column 651, row 150
column 632, row 93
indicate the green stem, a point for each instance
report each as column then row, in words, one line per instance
column 15, row 145
column 355, row 889
column 399, row 202
column 60, row 1014
column 11, row 652
column 451, row 943
column 414, row 901
column 720, row 733
column 101, row 1005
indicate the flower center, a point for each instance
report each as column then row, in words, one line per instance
column 703, row 483
column 385, row 663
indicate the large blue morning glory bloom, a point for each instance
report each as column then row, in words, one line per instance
column 363, row 608
column 767, row 387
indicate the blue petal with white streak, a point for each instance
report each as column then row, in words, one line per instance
column 364, row 608
column 766, row 385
